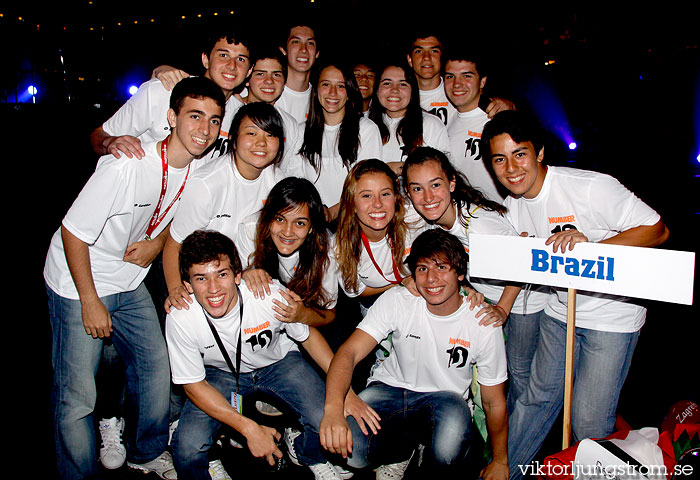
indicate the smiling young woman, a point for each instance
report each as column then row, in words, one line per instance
column 336, row 134
column 288, row 240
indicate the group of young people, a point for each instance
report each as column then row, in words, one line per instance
column 278, row 181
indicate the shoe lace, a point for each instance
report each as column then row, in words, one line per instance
column 111, row 436
column 216, row 469
column 324, row 470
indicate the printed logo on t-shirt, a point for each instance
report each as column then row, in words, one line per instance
column 259, row 336
column 439, row 109
column 473, row 147
column 458, row 354
column 567, row 219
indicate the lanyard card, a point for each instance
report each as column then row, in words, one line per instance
column 237, row 402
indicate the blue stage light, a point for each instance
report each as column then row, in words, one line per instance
column 31, row 90
column 572, row 146
column 133, row 89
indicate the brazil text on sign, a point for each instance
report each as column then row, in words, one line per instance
column 651, row 273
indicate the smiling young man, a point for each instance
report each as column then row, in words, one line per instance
column 569, row 206
column 425, row 57
column 230, row 345
column 226, row 61
column 464, row 81
column 94, row 274
column 419, row 392
column 301, row 49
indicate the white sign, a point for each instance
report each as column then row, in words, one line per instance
column 650, row 273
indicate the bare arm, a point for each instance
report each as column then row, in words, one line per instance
column 497, row 314
column 334, row 431
column 493, row 400
column 295, row 311
column 104, row 143
column 261, row 439
column 168, row 76
column 643, row 236
column 178, row 296
column 142, row 253
column 96, row 318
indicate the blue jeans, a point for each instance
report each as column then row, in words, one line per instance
column 522, row 332
column 439, row 420
column 601, row 363
column 291, row 380
column 138, row 339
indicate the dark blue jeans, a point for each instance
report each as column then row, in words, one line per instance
column 439, row 420
column 138, row 338
column 291, row 380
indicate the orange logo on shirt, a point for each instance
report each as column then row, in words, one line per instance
column 474, row 134
column 438, row 104
column 459, row 341
column 248, row 331
column 568, row 219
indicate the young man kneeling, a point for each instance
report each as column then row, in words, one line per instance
column 419, row 392
column 222, row 355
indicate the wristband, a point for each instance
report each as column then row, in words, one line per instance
column 501, row 309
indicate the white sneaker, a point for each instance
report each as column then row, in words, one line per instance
column 324, row 471
column 217, row 471
column 267, row 409
column 162, row 466
column 112, row 452
column 344, row 473
column 290, row 434
column 393, row 471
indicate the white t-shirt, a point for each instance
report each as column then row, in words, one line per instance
column 245, row 243
column 293, row 130
column 264, row 340
column 465, row 131
column 219, row 198
column 113, row 211
column 144, row 116
column 367, row 273
column 329, row 181
column 295, row 103
column 600, row 207
column 431, row 352
column 434, row 135
column 435, row 101
column 532, row 298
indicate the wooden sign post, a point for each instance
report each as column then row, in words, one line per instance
column 594, row 267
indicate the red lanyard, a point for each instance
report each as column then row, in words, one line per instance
column 397, row 275
column 157, row 218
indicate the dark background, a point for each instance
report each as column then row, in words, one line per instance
column 624, row 83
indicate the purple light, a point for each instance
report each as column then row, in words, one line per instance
column 572, row 146
column 133, row 89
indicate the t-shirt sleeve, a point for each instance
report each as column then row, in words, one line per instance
column 370, row 141
column 98, row 200
column 491, row 357
column 186, row 362
column 194, row 212
column 489, row 223
column 618, row 209
column 379, row 321
column 137, row 115
column 245, row 239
